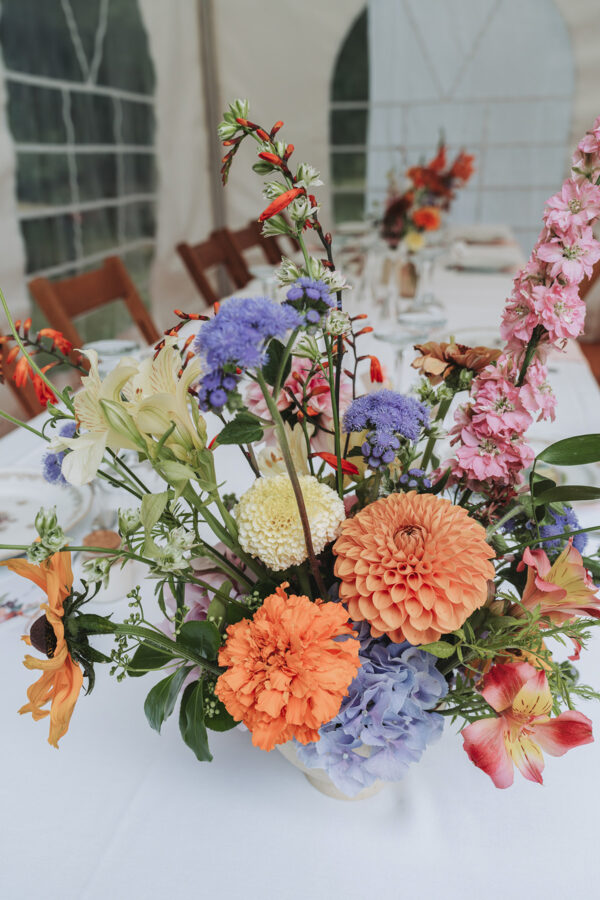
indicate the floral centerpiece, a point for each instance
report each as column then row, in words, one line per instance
column 431, row 188
column 362, row 590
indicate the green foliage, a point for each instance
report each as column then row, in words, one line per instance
column 191, row 721
column 200, row 637
column 216, row 716
column 275, row 354
column 146, row 658
column 160, row 702
column 244, row 429
column 153, row 506
column 573, row 451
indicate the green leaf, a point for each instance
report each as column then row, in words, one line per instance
column 177, row 474
column 573, row 451
column 244, row 429
column 219, row 719
column 593, row 565
column 236, row 612
column 153, row 506
column 275, row 354
column 191, row 721
column 441, row 649
column 147, row 657
column 160, row 702
column 201, row 637
column 568, row 492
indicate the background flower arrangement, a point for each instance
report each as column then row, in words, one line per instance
column 362, row 589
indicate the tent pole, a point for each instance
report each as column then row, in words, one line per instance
column 212, row 106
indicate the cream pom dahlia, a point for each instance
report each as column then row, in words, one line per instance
column 269, row 522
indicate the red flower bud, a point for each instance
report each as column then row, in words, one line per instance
column 280, row 203
column 347, row 467
column 263, row 134
column 288, row 151
column 276, row 128
column 376, row 373
column 270, row 158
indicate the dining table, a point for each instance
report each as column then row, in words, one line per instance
column 122, row 812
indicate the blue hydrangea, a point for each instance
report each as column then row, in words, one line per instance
column 311, row 299
column 52, row 462
column 388, row 417
column 235, row 340
column 385, row 723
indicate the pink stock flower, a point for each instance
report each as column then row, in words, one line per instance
column 482, row 457
column 519, row 317
column 571, row 253
column 536, row 393
column 577, row 203
column 521, row 696
column 563, row 590
column 559, row 309
column 311, row 392
column 590, row 142
column 498, row 409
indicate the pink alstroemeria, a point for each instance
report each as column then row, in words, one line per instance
column 563, row 589
column 521, row 696
column 577, row 203
column 571, row 254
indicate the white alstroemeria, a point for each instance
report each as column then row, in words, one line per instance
column 270, row 459
column 288, row 272
column 159, row 398
column 307, row 176
column 81, row 464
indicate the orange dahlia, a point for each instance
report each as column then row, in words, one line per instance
column 413, row 565
column 286, row 674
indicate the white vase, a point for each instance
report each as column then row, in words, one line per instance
column 321, row 780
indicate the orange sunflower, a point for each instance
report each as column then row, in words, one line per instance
column 61, row 678
column 413, row 565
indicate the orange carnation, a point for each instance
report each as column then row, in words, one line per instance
column 286, row 674
column 413, row 565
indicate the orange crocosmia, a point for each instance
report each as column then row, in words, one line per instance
column 376, row 372
column 413, row 565
column 61, row 678
column 427, row 218
column 331, row 459
column 280, row 203
column 286, row 672
column 58, row 339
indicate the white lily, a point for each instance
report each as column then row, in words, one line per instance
column 87, row 450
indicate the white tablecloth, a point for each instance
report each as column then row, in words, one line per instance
column 120, row 812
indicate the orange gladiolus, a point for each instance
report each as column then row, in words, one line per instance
column 61, row 678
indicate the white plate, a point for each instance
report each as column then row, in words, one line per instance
column 23, row 493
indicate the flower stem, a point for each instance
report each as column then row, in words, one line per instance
column 442, row 410
column 20, row 424
column 289, row 463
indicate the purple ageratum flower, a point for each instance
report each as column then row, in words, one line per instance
column 52, row 462
column 310, row 298
column 568, row 521
column 235, row 340
column 384, row 724
column 415, row 478
column 387, row 416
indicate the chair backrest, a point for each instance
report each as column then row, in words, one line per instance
column 218, row 250
column 251, row 236
column 25, row 395
column 62, row 301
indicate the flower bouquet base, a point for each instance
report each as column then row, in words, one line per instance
column 321, row 780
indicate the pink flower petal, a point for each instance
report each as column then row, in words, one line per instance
column 485, row 747
column 504, row 681
column 528, row 758
column 570, row 729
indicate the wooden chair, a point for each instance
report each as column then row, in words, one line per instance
column 62, row 301
column 251, row 236
column 25, row 395
column 218, row 250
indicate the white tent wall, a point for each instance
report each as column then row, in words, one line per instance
column 183, row 210
column 280, row 54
